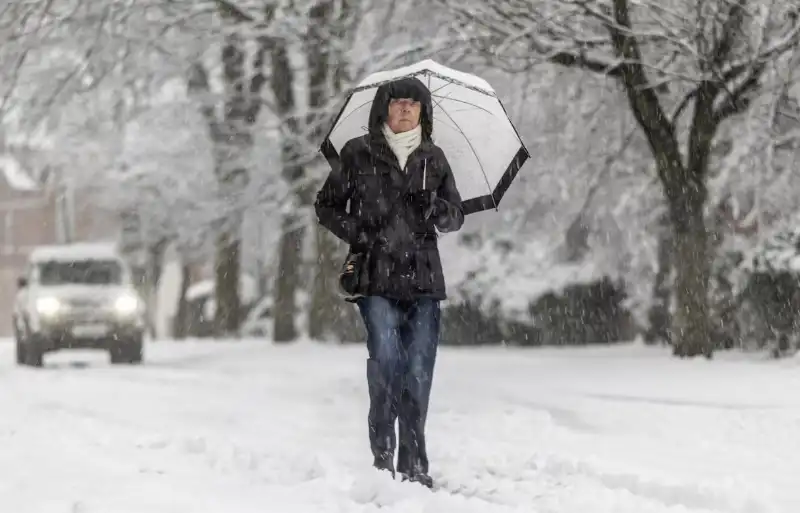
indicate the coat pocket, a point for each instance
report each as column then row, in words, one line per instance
column 424, row 272
column 354, row 276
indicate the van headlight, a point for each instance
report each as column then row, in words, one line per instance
column 127, row 304
column 48, row 306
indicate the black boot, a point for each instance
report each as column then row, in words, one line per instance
column 381, row 419
column 412, row 461
column 385, row 461
column 419, row 477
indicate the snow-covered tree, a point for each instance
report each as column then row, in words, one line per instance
column 311, row 52
column 685, row 69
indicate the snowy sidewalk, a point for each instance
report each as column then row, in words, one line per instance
column 248, row 427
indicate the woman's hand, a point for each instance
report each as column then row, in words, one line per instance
column 427, row 202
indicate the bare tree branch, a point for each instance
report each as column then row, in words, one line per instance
column 229, row 10
column 643, row 100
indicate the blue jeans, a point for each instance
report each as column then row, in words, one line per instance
column 402, row 339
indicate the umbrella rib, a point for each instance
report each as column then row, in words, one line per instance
column 472, row 148
column 433, row 92
column 456, row 100
column 354, row 111
column 438, row 119
column 448, row 97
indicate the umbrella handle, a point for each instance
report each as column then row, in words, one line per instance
column 424, row 174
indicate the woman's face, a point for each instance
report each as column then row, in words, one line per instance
column 403, row 115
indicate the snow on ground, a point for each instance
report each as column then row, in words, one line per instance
column 249, row 427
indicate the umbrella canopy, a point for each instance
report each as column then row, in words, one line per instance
column 470, row 124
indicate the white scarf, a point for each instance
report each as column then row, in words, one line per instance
column 404, row 143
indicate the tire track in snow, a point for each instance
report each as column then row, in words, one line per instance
column 519, row 472
column 206, row 432
column 547, row 482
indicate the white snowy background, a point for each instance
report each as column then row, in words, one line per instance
column 95, row 101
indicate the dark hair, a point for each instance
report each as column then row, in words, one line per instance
column 411, row 88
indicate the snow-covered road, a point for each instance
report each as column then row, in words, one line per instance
column 248, row 427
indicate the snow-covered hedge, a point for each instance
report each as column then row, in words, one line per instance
column 766, row 291
column 518, row 293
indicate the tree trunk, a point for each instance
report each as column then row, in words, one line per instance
column 659, row 316
column 288, row 279
column 233, row 142
column 226, row 274
column 328, row 314
column 155, row 267
column 322, row 314
column 692, row 326
column 683, row 183
column 687, row 194
column 180, row 325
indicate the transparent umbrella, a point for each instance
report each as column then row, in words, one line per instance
column 470, row 124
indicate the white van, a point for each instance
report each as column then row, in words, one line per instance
column 78, row 296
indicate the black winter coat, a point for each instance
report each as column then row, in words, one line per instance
column 386, row 214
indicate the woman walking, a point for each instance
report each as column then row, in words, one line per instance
column 400, row 190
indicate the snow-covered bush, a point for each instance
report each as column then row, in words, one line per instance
column 520, row 293
column 584, row 313
column 767, row 290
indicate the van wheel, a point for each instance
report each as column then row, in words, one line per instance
column 20, row 352
column 127, row 352
column 34, row 355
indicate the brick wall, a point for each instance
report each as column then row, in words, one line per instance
column 27, row 220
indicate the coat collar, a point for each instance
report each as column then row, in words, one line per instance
column 379, row 149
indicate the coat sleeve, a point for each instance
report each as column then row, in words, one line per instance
column 332, row 198
column 449, row 212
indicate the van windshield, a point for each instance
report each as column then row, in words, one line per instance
column 84, row 272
